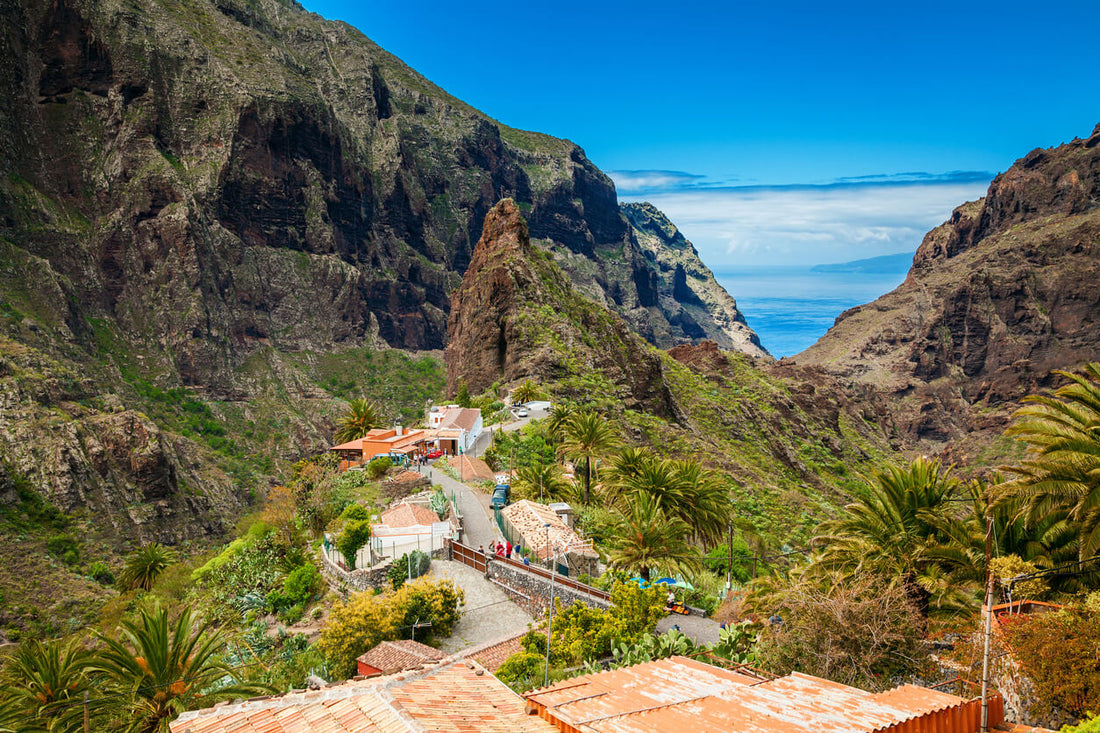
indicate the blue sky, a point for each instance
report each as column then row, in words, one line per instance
column 714, row 111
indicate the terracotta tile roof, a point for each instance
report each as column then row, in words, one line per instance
column 472, row 468
column 494, row 653
column 530, row 519
column 451, row 697
column 409, row 515
column 680, row 694
column 394, row 656
column 356, row 444
column 463, row 418
column 407, row 477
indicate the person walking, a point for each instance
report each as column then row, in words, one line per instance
column 508, row 550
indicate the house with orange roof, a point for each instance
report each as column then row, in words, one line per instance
column 389, row 657
column 447, row 697
column 396, row 441
column 682, row 694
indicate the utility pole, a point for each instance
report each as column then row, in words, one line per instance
column 550, row 614
column 87, row 715
column 729, row 568
column 988, row 620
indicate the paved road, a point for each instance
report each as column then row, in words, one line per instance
column 698, row 629
column 478, row 529
column 483, row 441
column 488, row 613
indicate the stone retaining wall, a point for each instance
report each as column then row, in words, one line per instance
column 532, row 592
column 359, row 580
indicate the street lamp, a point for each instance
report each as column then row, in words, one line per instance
column 550, row 621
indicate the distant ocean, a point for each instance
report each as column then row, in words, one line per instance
column 791, row 307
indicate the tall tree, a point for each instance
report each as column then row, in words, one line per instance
column 1061, row 478
column 645, row 540
column 893, row 527
column 156, row 669
column 587, row 437
column 361, row 416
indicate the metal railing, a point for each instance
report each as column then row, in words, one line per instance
column 479, row 561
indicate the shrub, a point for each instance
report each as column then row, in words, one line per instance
column 522, row 671
column 378, row 467
column 1070, row 678
column 302, row 583
column 64, row 546
column 423, row 600
column 1091, row 724
column 355, row 511
column 367, row 619
column 100, row 573
column 862, row 633
column 409, row 566
column 356, row 534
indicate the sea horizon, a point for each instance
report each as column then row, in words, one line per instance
column 791, row 307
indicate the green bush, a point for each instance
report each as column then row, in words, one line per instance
column 356, row 534
column 101, row 574
column 417, row 563
column 1091, row 724
column 522, row 671
column 378, row 467
column 64, row 546
column 302, row 583
column 355, row 511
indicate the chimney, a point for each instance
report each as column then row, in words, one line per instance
column 400, row 430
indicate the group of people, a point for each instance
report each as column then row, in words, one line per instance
column 505, row 549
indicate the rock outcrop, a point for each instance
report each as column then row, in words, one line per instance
column 998, row 296
column 696, row 306
column 516, row 315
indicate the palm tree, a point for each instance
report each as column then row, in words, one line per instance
column 646, row 540
column 892, row 529
column 361, row 416
column 159, row 669
column 45, row 684
column 543, row 480
column 587, row 437
column 144, row 566
column 525, row 392
column 1061, row 478
column 560, row 413
column 681, row 488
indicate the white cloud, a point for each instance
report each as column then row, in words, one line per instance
column 810, row 225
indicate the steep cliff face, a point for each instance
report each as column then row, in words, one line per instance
column 218, row 196
column 516, row 315
column 787, row 437
column 998, row 296
column 696, row 305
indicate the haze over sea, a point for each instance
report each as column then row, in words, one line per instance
column 791, row 307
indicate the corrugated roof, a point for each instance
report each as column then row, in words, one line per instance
column 683, row 694
column 394, row 656
column 530, row 519
column 409, row 515
column 449, row 697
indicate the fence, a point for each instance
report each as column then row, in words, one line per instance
column 480, row 562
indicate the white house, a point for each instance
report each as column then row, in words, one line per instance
column 451, row 418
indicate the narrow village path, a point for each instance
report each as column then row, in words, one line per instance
column 478, row 529
column 488, row 614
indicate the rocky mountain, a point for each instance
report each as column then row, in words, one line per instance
column 697, row 307
column 997, row 297
column 790, row 438
column 209, row 206
column 517, row 315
